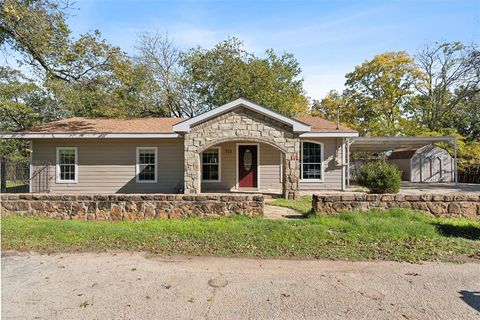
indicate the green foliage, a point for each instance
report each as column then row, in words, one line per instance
column 377, row 93
column 22, row 102
column 436, row 93
column 85, row 76
column 380, row 89
column 332, row 104
column 380, row 177
column 22, row 105
column 466, row 118
column 395, row 234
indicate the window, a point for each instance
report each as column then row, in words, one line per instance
column 67, row 169
column 147, row 165
column 211, row 165
column 311, row 160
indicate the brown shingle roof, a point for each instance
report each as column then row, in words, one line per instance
column 318, row 124
column 150, row 125
column 103, row 125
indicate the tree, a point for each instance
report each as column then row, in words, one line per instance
column 86, row 75
column 467, row 118
column 450, row 76
column 227, row 72
column 171, row 94
column 120, row 91
column 379, row 91
column 337, row 104
column 23, row 103
column 37, row 30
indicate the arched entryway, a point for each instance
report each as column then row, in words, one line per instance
column 232, row 165
column 242, row 125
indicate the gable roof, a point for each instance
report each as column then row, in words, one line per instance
column 79, row 127
column 187, row 124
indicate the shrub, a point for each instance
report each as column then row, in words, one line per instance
column 380, row 177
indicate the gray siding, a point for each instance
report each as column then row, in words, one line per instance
column 270, row 168
column 332, row 170
column 108, row 165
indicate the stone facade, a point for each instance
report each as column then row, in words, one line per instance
column 243, row 125
column 457, row 205
column 130, row 206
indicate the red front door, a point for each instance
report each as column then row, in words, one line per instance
column 247, row 166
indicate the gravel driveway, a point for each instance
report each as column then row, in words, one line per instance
column 139, row 286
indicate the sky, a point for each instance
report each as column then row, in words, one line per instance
column 328, row 38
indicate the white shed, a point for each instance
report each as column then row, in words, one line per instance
column 426, row 164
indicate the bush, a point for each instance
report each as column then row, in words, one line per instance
column 380, row 177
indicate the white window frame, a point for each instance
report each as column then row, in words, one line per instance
column 322, row 160
column 137, row 165
column 219, row 165
column 57, row 165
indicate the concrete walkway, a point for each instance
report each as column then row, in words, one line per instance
column 139, row 286
column 276, row 212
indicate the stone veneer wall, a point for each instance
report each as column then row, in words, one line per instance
column 452, row 205
column 130, row 207
column 243, row 125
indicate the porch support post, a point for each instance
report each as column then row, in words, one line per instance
column 191, row 167
column 292, row 171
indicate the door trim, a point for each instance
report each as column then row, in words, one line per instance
column 258, row 163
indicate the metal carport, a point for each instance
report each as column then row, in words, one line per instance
column 382, row 144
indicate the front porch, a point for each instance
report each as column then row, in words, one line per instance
column 242, row 167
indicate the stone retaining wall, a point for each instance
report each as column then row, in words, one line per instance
column 130, row 207
column 452, row 205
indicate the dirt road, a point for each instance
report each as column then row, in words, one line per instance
column 139, row 286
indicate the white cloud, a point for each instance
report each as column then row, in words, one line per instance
column 318, row 85
column 191, row 36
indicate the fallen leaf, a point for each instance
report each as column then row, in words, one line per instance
column 84, row 304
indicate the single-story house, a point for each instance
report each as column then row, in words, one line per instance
column 429, row 163
column 240, row 146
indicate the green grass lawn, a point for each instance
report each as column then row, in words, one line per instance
column 395, row 234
